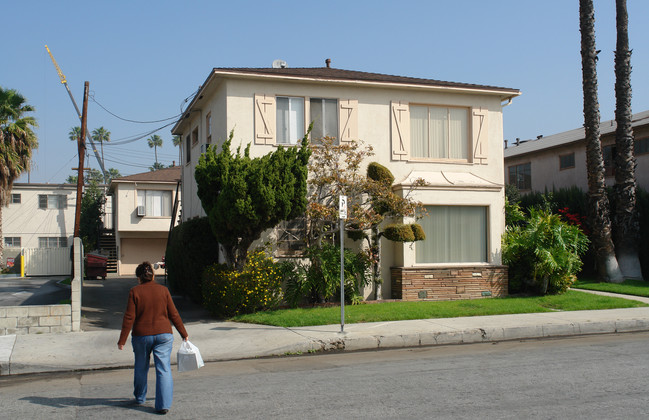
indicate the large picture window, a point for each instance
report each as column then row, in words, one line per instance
column 439, row 132
column 290, row 120
column 156, row 203
column 521, row 176
column 324, row 114
column 454, row 234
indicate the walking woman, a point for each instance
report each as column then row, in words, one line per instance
column 148, row 312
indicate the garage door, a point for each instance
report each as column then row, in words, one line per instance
column 135, row 250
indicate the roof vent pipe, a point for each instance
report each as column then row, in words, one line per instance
column 506, row 143
column 328, row 63
column 518, row 141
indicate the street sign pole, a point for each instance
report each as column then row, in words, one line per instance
column 342, row 209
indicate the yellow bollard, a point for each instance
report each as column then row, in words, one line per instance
column 22, row 263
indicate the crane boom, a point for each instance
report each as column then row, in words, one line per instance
column 76, row 107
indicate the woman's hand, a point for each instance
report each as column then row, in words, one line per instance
column 120, row 346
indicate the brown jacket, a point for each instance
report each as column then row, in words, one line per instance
column 148, row 312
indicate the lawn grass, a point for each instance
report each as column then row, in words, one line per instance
column 397, row 311
column 628, row 287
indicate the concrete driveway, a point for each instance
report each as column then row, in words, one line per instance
column 102, row 301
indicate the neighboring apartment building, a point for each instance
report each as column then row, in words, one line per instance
column 449, row 134
column 39, row 216
column 559, row 161
column 143, row 209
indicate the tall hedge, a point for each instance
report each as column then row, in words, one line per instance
column 191, row 248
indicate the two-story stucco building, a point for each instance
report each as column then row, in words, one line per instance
column 450, row 134
column 144, row 206
column 559, row 160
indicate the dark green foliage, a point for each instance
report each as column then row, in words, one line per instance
column 228, row 292
column 512, row 194
column 191, row 248
column 244, row 196
column 642, row 206
column 418, row 232
column 320, row 281
column 379, row 173
column 90, row 223
column 543, row 255
column 399, row 232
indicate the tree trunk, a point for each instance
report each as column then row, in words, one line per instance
column 375, row 248
column 626, row 228
column 599, row 218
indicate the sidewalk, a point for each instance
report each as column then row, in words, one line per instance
column 219, row 341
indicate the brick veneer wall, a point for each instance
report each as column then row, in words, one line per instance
column 448, row 283
column 35, row 319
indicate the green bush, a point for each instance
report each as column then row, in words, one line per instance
column 319, row 281
column 418, row 232
column 543, row 255
column 191, row 248
column 379, row 173
column 399, row 232
column 228, row 292
column 642, row 205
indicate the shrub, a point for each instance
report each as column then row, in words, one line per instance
column 379, row 173
column 418, row 232
column 544, row 254
column 229, row 292
column 319, row 281
column 399, row 232
column 191, row 248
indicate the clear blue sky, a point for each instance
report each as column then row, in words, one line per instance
column 143, row 58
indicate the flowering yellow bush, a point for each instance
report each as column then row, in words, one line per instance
column 228, row 292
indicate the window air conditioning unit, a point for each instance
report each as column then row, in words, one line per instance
column 141, row 211
column 203, row 148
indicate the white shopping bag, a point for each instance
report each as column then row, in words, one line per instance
column 189, row 357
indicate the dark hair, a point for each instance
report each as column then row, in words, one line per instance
column 144, row 272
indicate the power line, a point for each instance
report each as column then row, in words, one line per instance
column 92, row 97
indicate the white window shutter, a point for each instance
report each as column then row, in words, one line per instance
column 348, row 119
column 264, row 119
column 480, row 128
column 400, row 135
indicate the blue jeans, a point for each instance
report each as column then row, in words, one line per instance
column 160, row 345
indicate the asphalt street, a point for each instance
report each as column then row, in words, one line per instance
column 594, row 377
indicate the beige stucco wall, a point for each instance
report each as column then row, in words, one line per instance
column 27, row 221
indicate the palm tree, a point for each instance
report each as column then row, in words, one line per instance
column 626, row 228
column 155, row 141
column 17, row 140
column 101, row 135
column 177, row 140
column 74, row 133
column 598, row 217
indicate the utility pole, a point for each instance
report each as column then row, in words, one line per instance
column 81, row 147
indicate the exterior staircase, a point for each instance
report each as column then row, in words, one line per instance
column 108, row 246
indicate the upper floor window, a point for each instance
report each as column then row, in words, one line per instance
column 290, row 119
column 15, row 199
column 12, row 241
column 521, row 176
column 324, row 114
column 52, row 201
column 641, row 146
column 567, row 161
column 439, row 132
column 195, row 136
column 156, row 203
column 609, row 153
column 208, row 127
column 52, row 242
